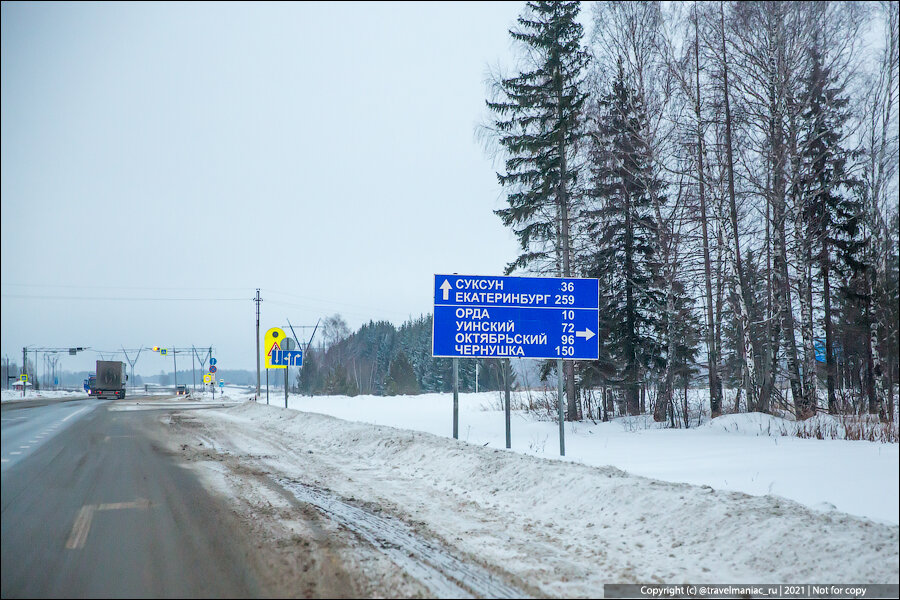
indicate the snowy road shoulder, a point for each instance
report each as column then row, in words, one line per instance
column 563, row 528
column 739, row 453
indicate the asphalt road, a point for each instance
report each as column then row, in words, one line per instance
column 92, row 507
column 29, row 424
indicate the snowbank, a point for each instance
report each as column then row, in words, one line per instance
column 30, row 394
column 745, row 453
column 564, row 527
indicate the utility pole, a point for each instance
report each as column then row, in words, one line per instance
column 175, row 363
column 24, row 368
column 258, row 300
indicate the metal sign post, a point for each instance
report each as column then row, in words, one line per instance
column 478, row 316
column 455, row 398
column 507, row 375
column 561, row 394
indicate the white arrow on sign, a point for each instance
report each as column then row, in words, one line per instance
column 446, row 288
column 586, row 334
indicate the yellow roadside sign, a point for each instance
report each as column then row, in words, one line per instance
column 207, row 378
column 272, row 341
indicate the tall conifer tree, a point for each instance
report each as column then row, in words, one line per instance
column 539, row 124
column 626, row 257
column 829, row 211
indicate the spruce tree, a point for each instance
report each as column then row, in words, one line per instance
column 829, row 210
column 625, row 259
column 538, row 122
column 401, row 379
column 538, row 125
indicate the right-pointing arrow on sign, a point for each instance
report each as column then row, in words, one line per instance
column 446, row 288
column 586, row 334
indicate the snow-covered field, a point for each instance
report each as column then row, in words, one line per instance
column 743, row 453
column 558, row 528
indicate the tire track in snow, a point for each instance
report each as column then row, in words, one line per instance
column 442, row 573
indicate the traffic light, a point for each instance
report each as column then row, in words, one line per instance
column 156, row 348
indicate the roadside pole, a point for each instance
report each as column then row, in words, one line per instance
column 24, row 369
column 506, row 377
column 193, row 371
column 456, row 398
column 286, row 369
column 267, row 385
column 258, row 300
column 175, row 362
column 562, row 424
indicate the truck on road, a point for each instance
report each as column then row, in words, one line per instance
column 109, row 381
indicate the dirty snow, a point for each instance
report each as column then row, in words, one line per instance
column 561, row 527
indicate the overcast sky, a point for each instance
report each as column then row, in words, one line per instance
column 161, row 161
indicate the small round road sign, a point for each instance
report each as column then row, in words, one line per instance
column 212, row 361
column 212, row 368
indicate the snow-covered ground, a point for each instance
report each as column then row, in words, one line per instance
column 30, row 394
column 743, row 453
column 557, row 528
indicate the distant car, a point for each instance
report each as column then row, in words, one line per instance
column 181, row 390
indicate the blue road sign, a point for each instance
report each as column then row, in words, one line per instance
column 212, row 361
column 530, row 317
column 287, row 358
column 212, row 368
column 221, row 383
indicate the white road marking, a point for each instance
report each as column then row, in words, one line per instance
column 81, row 527
column 75, row 413
column 24, row 447
column 139, row 503
column 15, row 453
column 4, row 460
column 82, row 524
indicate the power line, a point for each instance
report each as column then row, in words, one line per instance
column 119, row 298
column 121, row 287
